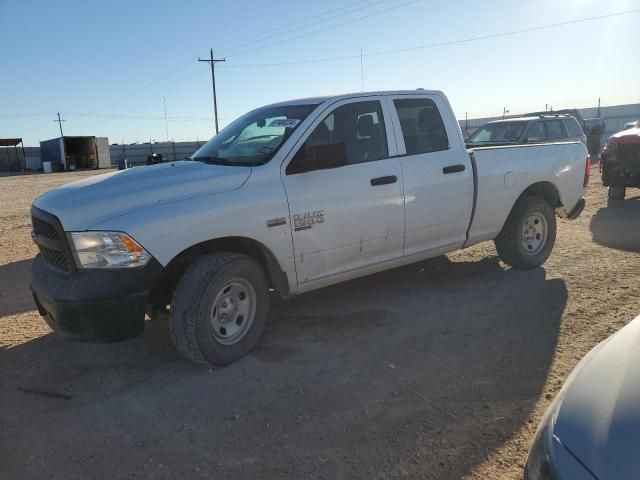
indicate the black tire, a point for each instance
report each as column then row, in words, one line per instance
column 190, row 321
column 510, row 244
column 617, row 192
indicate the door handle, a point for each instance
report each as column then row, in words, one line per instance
column 383, row 180
column 453, row 169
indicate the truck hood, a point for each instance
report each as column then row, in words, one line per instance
column 82, row 204
column 627, row 137
column 598, row 419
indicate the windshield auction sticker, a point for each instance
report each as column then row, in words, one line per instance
column 285, row 122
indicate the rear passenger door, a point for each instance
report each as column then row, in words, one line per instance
column 438, row 181
column 345, row 192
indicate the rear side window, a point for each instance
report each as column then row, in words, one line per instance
column 573, row 127
column 422, row 126
column 555, row 130
column 535, row 132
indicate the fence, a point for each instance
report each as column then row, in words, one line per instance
column 137, row 153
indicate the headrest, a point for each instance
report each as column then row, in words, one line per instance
column 365, row 125
column 321, row 134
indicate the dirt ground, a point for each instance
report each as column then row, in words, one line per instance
column 436, row 370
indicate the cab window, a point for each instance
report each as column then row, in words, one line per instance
column 573, row 127
column 554, row 130
column 350, row 134
column 422, row 126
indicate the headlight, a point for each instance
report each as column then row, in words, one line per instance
column 108, row 250
column 539, row 462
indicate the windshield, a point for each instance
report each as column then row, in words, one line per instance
column 254, row 138
column 503, row 132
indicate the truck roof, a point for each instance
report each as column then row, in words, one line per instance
column 515, row 119
column 320, row 99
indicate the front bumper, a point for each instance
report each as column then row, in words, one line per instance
column 93, row 305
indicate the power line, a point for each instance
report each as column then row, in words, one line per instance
column 143, row 89
column 136, row 117
column 357, row 19
column 289, row 24
column 262, row 38
column 26, row 115
column 165, row 77
column 158, row 93
column 439, row 44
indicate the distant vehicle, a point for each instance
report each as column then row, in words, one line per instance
column 629, row 125
column 621, row 162
column 292, row 197
column 152, row 159
column 591, row 431
column 519, row 131
column 594, row 129
column 574, row 112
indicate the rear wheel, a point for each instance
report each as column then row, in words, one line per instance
column 617, row 192
column 528, row 236
column 219, row 308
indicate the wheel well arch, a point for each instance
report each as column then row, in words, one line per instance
column 160, row 294
column 544, row 189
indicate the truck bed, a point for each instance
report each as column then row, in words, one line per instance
column 501, row 175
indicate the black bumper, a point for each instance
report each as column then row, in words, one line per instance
column 93, row 305
column 577, row 210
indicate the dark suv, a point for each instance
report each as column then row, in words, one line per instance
column 539, row 129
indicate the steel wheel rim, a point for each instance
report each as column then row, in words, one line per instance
column 534, row 233
column 233, row 311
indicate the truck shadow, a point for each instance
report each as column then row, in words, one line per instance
column 15, row 296
column 420, row 372
column 618, row 225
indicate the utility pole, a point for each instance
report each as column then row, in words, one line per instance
column 212, row 61
column 598, row 108
column 60, row 120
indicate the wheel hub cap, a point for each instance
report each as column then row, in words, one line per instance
column 233, row 311
column 534, row 233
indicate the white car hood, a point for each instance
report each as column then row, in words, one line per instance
column 598, row 419
column 83, row 204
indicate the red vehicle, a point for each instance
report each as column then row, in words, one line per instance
column 621, row 162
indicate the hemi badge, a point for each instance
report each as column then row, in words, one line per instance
column 276, row 222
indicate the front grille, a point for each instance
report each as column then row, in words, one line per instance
column 51, row 240
column 630, row 156
column 54, row 258
column 40, row 227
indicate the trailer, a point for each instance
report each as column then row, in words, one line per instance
column 76, row 153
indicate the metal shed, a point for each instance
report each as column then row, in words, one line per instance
column 75, row 153
column 11, row 157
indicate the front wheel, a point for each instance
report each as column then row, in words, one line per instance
column 528, row 236
column 219, row 308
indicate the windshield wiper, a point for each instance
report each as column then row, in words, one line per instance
column 213, row 160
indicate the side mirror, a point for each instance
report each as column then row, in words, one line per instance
column 318, row 157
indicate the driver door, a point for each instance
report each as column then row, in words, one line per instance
column 345, row 194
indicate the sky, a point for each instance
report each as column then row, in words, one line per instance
column 110, row 68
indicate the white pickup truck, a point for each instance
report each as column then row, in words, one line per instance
column 290, row 197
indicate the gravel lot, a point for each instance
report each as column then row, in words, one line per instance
column 436, row 370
